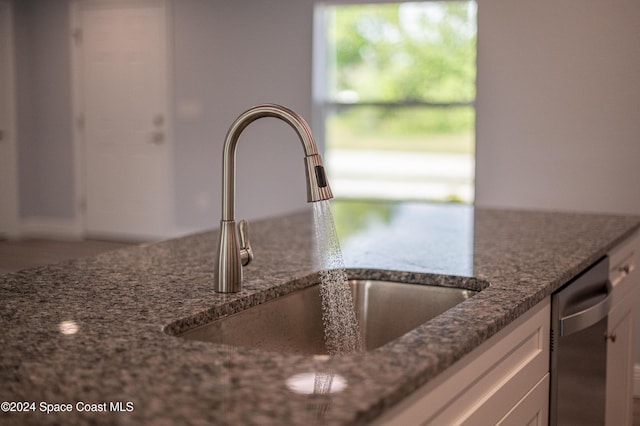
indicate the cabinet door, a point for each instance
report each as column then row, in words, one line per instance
column 624, row 280
column 619, row 408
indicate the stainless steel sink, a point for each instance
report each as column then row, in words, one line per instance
column 293, row 323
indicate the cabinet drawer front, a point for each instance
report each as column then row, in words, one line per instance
column 626, row 267
column 488, row 382
column 623, row 260
column 533, row 409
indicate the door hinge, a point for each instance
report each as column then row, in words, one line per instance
column 76, row 33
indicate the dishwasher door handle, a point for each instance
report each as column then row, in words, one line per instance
column 585, row 318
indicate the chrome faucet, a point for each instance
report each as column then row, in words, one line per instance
column 234, row 250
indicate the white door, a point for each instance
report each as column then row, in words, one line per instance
column 122, row 70
column 8, row 157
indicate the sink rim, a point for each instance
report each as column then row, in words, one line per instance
column 247, row 299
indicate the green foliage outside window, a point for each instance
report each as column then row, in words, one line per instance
column 423, row 129
column 407, row 53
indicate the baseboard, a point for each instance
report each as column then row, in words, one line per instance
column 182, row 231
column 636, row 380
column 70, row 229
column 47, row 227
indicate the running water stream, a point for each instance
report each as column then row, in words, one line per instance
column 338, row 314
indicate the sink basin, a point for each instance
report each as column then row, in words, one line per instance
column 293, row 323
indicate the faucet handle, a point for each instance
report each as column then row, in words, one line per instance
column 246, row 254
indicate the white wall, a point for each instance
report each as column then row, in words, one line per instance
column 558, row 104
column 227, row 57
column 230, row 56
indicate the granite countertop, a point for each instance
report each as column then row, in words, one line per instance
column 88, row 334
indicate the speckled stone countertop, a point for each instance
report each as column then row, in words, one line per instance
column 88, row 334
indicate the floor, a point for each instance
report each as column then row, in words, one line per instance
column 16, row 255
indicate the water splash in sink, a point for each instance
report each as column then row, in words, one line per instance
column 338, row 313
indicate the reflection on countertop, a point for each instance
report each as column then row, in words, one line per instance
column 377, row 234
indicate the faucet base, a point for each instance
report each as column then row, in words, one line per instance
column 228, row 272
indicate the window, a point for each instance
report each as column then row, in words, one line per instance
column 394, row 95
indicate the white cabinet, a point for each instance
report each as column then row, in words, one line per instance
column 623, row 273
column 503, row 381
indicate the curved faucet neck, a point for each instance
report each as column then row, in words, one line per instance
column 231, row 141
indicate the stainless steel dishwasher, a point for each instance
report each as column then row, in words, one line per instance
column 579, row 313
